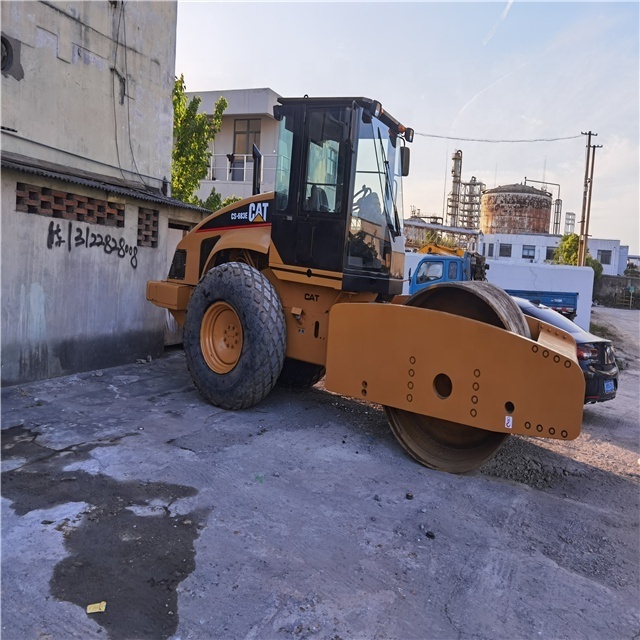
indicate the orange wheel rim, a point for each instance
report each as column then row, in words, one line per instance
column 221, row 337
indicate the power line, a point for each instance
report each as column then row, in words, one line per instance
column 433, row 135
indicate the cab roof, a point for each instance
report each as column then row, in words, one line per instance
column 366, row 103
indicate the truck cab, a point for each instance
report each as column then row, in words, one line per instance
column 435, row 269
column 442, row 264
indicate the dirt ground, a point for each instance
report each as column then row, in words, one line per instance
column 303, row 518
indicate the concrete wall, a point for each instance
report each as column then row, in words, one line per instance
column 68, row 98
column 546, row 277
column 73, row 307
column 609, row 290
column 68, row 307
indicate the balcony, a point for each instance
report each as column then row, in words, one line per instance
column 233, row 175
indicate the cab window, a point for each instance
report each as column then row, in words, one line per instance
column 429, row 271
column 324, row 181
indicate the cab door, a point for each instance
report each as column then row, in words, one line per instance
column 309, row 226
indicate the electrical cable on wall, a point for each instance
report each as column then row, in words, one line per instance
column 114, row 69
column 126, row 71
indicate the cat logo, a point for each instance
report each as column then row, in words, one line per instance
column 258, row 211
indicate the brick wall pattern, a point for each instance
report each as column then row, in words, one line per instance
column 70, row 206
column 148, row 227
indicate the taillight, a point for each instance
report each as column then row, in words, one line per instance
column 587, row 352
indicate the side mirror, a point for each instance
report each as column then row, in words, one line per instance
column 277, row 112
column 405, row 154
column 373, row 110
column 409, row 273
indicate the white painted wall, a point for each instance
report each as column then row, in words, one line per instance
column 546, row 277
column 517, row 242
column 411, row 261
column 618, row 255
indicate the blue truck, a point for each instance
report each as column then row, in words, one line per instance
column 444, row 264
column 441, row 264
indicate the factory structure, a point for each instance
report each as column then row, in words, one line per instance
column 516, row 222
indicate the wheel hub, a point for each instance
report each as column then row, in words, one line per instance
column 221, row 337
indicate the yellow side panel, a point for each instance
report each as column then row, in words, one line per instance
column 455, row 369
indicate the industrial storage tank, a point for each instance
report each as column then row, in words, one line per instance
column 515, row 208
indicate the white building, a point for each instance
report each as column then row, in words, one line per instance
column 539, row 248
column 248, row 120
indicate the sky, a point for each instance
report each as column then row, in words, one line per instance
column 483, row 70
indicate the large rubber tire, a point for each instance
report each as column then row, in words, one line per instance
column 234, row 336
column 297, row 374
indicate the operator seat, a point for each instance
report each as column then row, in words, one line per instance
column 317, row 200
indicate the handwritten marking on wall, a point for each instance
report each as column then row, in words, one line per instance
column 84, row 237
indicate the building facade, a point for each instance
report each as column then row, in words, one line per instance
column 248, row 120
column 539, row 248
column 86, row 158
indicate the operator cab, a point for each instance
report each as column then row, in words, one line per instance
column 338, row 200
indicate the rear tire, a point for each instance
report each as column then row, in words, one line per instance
column 297, row 374
column 234, row 336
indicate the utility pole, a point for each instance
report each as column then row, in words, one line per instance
column 582, row 254
column 586, row 226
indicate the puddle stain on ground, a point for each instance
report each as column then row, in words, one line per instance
column 133, row 562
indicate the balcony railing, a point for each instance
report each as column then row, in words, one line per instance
column 239, row 168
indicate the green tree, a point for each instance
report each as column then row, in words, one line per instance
column 567, row 253
column 192, row 133
column 215, row 201
column 632, row 271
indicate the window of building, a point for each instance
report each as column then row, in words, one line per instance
column 246, row 133
column 528, row 251
column 490, row 255
column 551, row 253
column 505, row 250
column 604, row 257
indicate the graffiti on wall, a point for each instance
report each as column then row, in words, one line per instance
column 83, row 237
